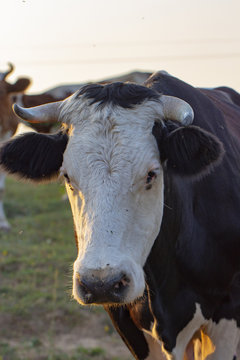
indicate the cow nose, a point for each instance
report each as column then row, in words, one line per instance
column 103, row 291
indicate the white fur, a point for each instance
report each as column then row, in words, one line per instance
column 225, row 336
column 155, row 348
column 108, row 157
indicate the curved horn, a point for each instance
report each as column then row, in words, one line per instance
column 38, row 114
column 177, row 109
column 4, row 75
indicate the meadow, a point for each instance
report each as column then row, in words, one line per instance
column 38, row 318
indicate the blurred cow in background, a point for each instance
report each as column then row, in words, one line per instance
column 8, row 120
column 8, row 123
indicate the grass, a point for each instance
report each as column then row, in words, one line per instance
column 81, row 353
column 41, row 242
column 35, row 279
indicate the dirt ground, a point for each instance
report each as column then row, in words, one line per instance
column 31, row 340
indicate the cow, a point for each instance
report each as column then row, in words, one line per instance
column 152, row 175
column 8, row 123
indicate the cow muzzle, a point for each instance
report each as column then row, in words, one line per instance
column 95, row 290
column 114, row 282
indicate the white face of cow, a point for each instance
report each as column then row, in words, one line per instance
column 115, row 187
column 114, row 181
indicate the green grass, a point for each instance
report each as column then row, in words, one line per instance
column 40, row 244
column 36, row 259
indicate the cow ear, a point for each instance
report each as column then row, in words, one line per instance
column 33, row 156
column 191, row 151
column 20, row 85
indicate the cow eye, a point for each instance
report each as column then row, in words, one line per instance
column 150, row 177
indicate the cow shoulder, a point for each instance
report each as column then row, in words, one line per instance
column 233, row 95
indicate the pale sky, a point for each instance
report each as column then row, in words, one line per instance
column 73, row 41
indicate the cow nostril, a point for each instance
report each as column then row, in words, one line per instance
column 86, row 292
column 120, row 285
column 88, row 298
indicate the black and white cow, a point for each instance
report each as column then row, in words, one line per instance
column 156, row 206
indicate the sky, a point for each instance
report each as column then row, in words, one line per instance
column 73, row 41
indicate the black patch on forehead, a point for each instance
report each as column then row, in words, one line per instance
column 125, row 95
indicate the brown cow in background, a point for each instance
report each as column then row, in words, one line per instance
column 8, row 123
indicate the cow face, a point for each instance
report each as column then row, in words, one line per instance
column 114, row 179
column 114, row 182
column 8, row 120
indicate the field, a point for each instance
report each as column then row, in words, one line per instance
column 38, row 318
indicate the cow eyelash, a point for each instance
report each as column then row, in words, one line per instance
column 68, row 181
column 66, row 177
column 150, row 177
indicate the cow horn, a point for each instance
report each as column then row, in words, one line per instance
column 38, row 114
column 177, row 109
column 4, row 75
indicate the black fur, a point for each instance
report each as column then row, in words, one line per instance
column 191, row 151
column 188, row 151
column 234, row 95
column 125, row 95
column 34, row 156
column 128, row 331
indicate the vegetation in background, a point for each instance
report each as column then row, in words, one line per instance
column 36, row 309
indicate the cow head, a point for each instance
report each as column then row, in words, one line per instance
column 8, row 120
column 113, row 172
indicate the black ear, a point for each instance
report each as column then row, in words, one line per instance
column 34, row 156
column 191, row 151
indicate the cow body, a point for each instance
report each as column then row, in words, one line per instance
column 195, row 258
column 156, row 210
